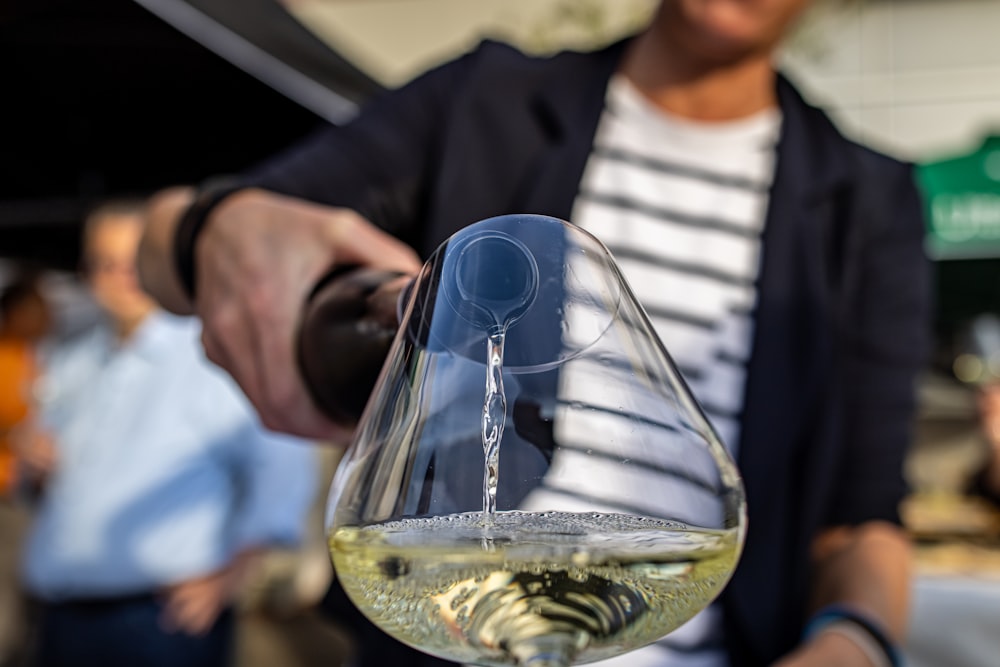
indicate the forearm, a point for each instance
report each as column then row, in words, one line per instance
column 865, row 569
column 157, row 271
column 868, row 568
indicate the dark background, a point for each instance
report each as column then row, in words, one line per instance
column 102, row 98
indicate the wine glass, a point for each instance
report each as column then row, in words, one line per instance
column 531, row 482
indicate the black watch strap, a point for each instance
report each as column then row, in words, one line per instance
column 191, row 224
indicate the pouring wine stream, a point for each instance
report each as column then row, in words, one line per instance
column 508, row 292
column 495, row 281
column 494, row 417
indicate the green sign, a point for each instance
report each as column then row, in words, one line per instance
column 962, row 196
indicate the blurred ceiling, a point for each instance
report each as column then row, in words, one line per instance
column 104, row 98
column 393, row 40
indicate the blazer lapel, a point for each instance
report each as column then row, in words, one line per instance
column 792, row 354
column 569, row 109
column 519, row 145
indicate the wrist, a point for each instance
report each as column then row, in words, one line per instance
column 862, row 631
column 190, row 225
column 156, row 267
column 846, row 644
column 833, row 649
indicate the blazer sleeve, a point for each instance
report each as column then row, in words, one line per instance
column 886, row 346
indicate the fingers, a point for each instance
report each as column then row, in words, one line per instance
column 227, row 337
column 38, row 454
column 255, row 344
column 257, row 262
column 286, row 405
column 234, row 303
column 193, row 607
column 357, row 241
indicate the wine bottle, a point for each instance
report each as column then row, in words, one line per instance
column 347, row 326
column 352, row 315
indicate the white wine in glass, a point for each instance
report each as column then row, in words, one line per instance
column 531, row 482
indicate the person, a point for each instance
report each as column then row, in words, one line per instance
column 162, row 487
column 687, row 150
column 977, row 366
column 25, row 319
column 985, row 481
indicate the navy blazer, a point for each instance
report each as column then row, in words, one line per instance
column 842, row 317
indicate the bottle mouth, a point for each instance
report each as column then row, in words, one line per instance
column 490, row 279
column 549, row 287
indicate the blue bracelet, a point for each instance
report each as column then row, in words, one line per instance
column 838, row 612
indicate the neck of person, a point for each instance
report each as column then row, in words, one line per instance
column 699, row 88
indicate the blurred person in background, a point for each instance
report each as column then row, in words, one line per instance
column 25, row 318
column 986, row 482
column 161, row 488
column 977, row 364
column 706, row 173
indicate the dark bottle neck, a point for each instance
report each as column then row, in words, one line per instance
column 347, row 326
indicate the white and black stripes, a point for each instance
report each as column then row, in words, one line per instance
column 653, row 163
column 681, row 206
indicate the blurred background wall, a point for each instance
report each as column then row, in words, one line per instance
column 917, row 78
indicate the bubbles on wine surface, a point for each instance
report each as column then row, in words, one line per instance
column 608, row 583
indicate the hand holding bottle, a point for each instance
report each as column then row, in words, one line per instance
column 256, row 260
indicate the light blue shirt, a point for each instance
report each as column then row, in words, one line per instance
column 164, row 472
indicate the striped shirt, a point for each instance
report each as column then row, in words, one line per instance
column 681, row 205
